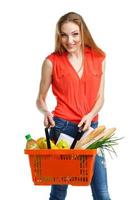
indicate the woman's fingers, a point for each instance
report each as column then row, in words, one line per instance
column 81, row 123
column 84, row 124
column 48, row 119
column 85, row 127
column 46, row 122
column 51, row 121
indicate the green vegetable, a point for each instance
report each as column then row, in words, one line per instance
column 106, row 143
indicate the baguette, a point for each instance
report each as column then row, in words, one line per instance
column 90, row 137
column 102, row 136
column 109, row 132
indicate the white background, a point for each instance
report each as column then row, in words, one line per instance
column 27, row 30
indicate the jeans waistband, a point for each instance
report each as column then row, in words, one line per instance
column 64, row 120
column 72, row 123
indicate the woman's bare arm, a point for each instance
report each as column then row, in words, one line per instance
column 100, row 97
column 46, row 80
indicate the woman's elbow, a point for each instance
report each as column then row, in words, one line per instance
column 39, row 102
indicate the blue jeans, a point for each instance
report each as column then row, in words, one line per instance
column 99, row 181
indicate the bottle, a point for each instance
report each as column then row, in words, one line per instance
column 31, row 143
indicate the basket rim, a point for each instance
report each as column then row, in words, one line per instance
column 60, row 151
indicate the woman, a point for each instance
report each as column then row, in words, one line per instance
column 76, row 72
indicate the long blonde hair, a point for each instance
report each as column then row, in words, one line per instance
column 87, row 40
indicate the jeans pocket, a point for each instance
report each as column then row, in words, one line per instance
column 59, row 123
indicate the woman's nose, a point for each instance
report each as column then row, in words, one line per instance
column 70, row 39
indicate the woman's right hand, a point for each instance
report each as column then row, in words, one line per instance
column 48, row 119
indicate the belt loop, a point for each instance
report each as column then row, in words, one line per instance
column 66, row 124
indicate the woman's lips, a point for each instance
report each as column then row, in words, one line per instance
column 70, row 46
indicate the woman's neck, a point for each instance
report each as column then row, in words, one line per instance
column 76, row 54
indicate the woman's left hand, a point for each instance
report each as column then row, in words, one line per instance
column 85, row 122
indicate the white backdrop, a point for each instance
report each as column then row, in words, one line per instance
column 26, row 37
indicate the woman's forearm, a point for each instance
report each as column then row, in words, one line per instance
column 41, row 105
column 98, row 105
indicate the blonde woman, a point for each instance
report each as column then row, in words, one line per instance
column 76, row 72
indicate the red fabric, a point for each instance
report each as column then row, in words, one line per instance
column 75, row 96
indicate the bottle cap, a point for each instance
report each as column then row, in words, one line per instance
column 28, row 136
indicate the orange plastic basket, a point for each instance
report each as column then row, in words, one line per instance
column 68, row 166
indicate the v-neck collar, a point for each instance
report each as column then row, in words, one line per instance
column 71, row 66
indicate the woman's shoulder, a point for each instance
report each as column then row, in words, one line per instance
column 54, row 56
column 99, row 54
column 96, row 54
column 51, row 56
column 95, row 51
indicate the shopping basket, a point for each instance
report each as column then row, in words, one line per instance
column 61, row 166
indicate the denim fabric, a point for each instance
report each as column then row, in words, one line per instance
column 98, row 184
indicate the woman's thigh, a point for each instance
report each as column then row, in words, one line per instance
column 99, row 184
column 99, row 181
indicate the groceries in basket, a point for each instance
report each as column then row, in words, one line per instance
column 99, row 137
column 39, row 143
column 42, row 143
column 31, row 143
column 64, row 141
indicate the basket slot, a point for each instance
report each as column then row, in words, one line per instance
column 35, row 163
column 83, row 165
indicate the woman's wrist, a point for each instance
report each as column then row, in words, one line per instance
column 91, row 115
column 41, row 105
column 43, row 110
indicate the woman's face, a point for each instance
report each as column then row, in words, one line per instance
column 70, row 37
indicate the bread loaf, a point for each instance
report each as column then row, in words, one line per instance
column 90, row 137
column 109, row 132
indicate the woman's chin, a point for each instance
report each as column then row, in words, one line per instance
column 71, row 50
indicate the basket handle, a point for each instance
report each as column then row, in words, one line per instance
column 78, row 136
column 47, row 138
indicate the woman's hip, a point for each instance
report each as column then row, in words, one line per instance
column 66, row 127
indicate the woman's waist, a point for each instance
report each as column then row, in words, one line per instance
column 72, row 114
column 73, row 122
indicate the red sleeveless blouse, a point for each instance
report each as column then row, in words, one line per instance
column 75, row 96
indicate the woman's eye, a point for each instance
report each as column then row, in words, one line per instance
column 63, row 35
column 75, row 34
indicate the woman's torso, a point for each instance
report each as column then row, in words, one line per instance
column 75, row 95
